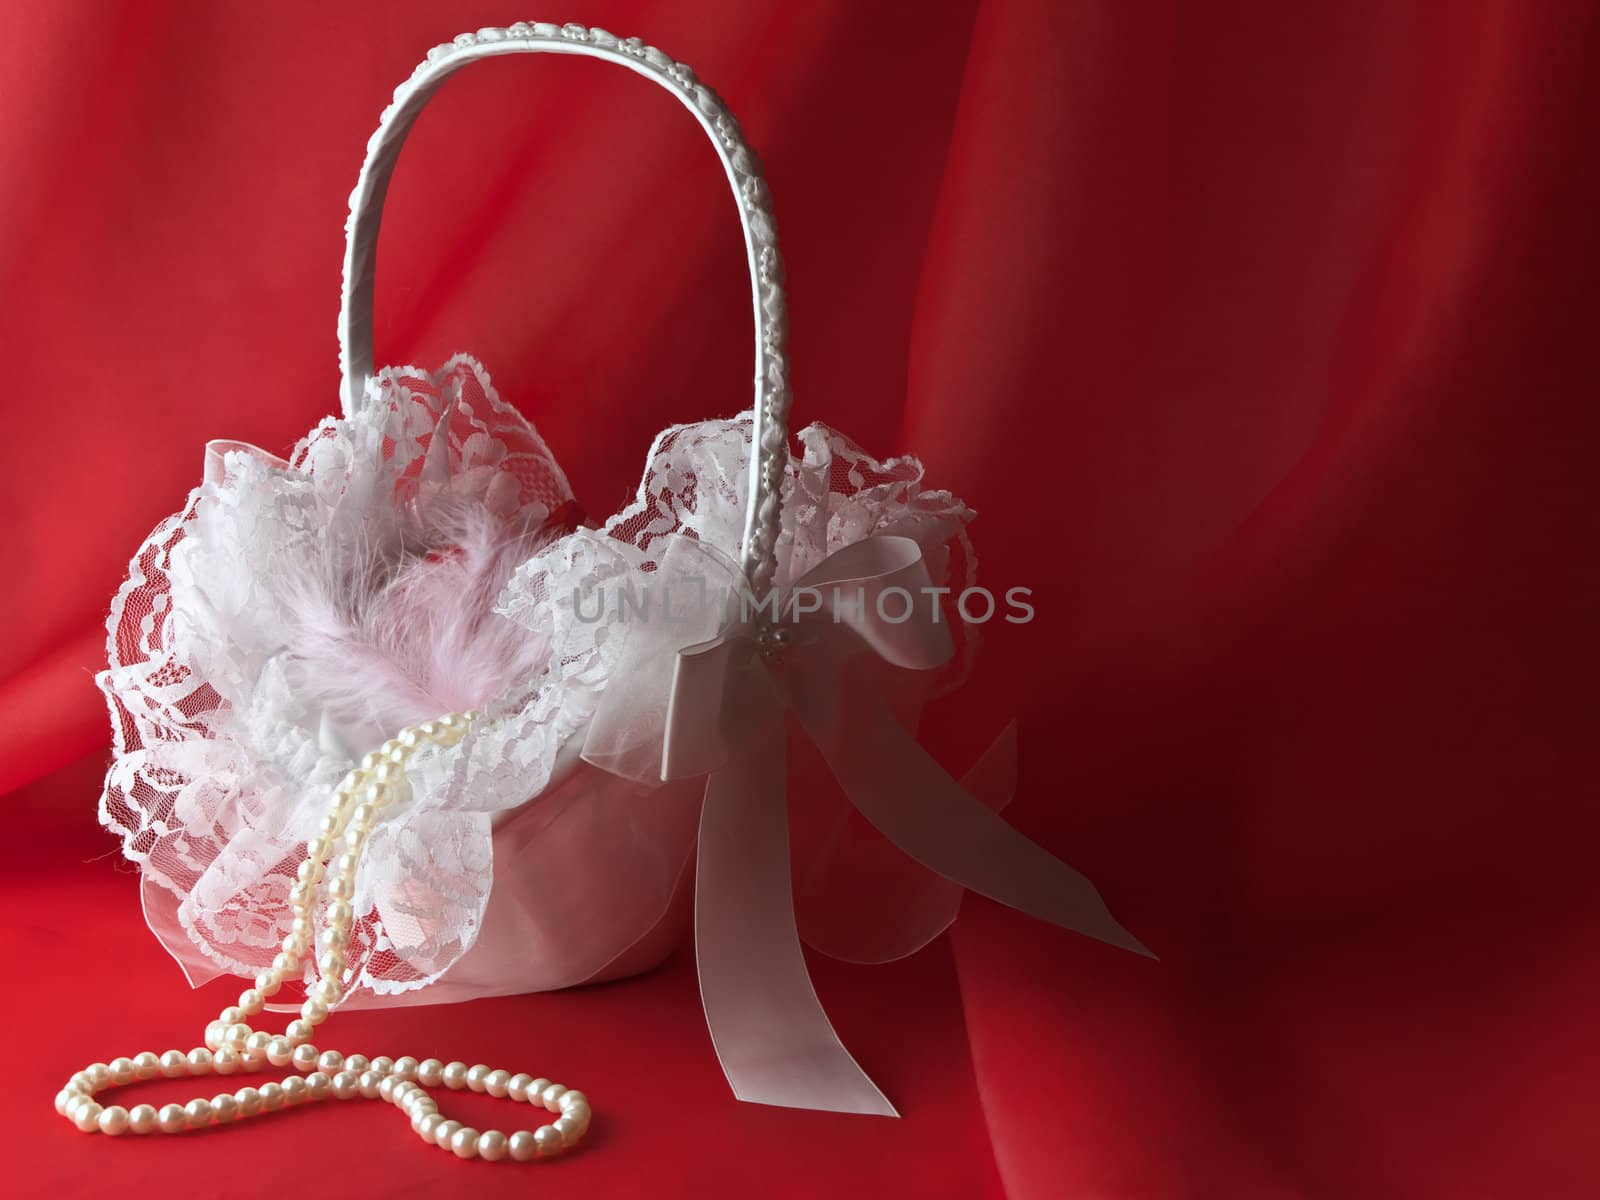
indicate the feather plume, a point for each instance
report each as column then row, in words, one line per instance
column 394, row 624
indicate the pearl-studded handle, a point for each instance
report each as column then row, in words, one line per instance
column 769, row 439
column 333, row 855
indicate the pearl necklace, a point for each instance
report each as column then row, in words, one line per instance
column 232, row 1045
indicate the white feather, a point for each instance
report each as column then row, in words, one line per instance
column 395, row 623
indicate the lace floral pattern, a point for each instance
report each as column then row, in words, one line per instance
column 835, row 494
column 220, row 766
column 222, row 762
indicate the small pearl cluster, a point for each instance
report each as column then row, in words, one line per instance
column 232, row 1045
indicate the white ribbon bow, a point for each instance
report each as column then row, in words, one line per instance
column 680, row 707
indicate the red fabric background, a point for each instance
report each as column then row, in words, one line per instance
column 1261, row 335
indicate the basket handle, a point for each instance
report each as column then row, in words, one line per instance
column 769, row 438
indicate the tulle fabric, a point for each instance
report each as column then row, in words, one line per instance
column 514, row 866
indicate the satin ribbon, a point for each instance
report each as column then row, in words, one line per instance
column 716, row 707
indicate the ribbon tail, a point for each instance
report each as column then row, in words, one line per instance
column 909, row 905
column 914, row 802
column 774, row 1040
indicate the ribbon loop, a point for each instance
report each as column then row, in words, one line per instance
column 722, row 715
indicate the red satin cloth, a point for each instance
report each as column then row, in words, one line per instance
column 1262, row 337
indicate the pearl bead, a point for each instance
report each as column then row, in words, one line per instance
column 237, row 1035
column 214, row 1032
column 517, row 1086
column 551, row 1097
column 225, row 1061
column 304, row 1057
column 99, row 1075
column 294, row 1090
column 430, row 1072
column 319, row 848
column 327, row 991
column 464, row 1142
column 476, row 1077
column 443, row 1132
column 341, row 888
column 314, row 1011
column 357, row 1063
column 197, row 1113
column 426, row 1126
column 255, row 1048
column 249, row 1101
column 386, row 1087
column 310, row 871
column 548, row 1139
column 569, row 1130
column 578, row 1113
column 373, row 758
column 455, row 1075
column 224, row 1107
column 330, row 1061
column 383, row 1064
column 284, row 963
column 113, row 1120
column 65, row 1097
column 572, row 1098
column 492, row 1145
column 271, row 1096
column 200, row 1061
column 174, row 1064
column 122, row 1070
column 172, row 1119
column 369, row 1084
column 251, row 1001
column 496, row 1082
column 522, row 1146
column 406, row 1067
column 269, row 982
column 146, row 1065
column 318, row 1085
column 535, row 1090
column 299, row 1032
column 142, row 1118
column 346, row 1084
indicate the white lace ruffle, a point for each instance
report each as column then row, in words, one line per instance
column 223, row 756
